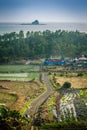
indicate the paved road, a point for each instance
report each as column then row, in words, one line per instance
column 33, row 108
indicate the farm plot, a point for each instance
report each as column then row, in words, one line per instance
column 16, row 94
column 73, row 102
column 81, row 105
column 18, row 68
column 76, row 82
column 7, row 98
column 66, row 106
column 73, row 105
column 19, row 76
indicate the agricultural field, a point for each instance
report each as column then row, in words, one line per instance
column 20, row 76
column 18, row 68
column 63, row 68
column 19, row 72
column 77, row 80
column 19, row 85
column 72, row 105
column 46, row 110
column 16, row 94
column 73, row 102
column 68, row 104
column 53, row 68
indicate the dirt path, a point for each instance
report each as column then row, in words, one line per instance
column 33, row 108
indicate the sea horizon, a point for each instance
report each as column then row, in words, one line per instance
column 8, row 27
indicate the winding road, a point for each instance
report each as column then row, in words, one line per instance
column 33, row 107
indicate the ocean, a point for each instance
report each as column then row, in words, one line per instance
column 16, row 27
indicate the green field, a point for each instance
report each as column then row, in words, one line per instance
column 19, row 72
column 19, row 76
column 18, row 68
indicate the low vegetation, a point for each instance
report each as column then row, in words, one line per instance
column 81, row 105
column 18, row 68
column 19, row 92
column 64, row 126
column 20, row 76
column 68, row 107
column 7, row 98
column 75, row 80
column 12, row 120
column 46, row 109
column 65, row 108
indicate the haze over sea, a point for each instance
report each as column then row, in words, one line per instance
column 16, row 27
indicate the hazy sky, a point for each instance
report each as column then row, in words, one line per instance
column 43, row 10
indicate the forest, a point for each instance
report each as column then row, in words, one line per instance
column 35, row 45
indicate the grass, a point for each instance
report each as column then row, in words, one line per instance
column 64, row 126
column 66, row 74
column 19, row 72
column 20, row 76
column 78, row 84
column 47, row 107
column 33, row 76
column 81, row 105
column 7, row 98
column 25, row 91
column 27, row 103
column 18, row 68
column 76, row 81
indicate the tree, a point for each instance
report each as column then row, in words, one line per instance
column 41, row 45
column 66, row 85
column 21, row 34
column 27, row 34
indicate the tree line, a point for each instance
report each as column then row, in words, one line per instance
column 34, row 45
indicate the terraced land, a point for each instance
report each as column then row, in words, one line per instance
column 66, row 104
column 76, row 82
column 16, row 94
column 71, row 102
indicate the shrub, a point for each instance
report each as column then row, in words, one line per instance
column 61, row 75
column 66, row 85
column 80, row 74
column 58, row 84
column 54, row 74
column 49, row 73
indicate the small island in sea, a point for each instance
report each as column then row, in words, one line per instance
column 36, row 22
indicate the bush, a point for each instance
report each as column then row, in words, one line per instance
column 11, row 119
column 80, row 74
column 66, row 85
column 58, row 84
column 54, row 74
column 61, row 75
column 49, row 73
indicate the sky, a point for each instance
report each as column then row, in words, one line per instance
column 43, row 10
